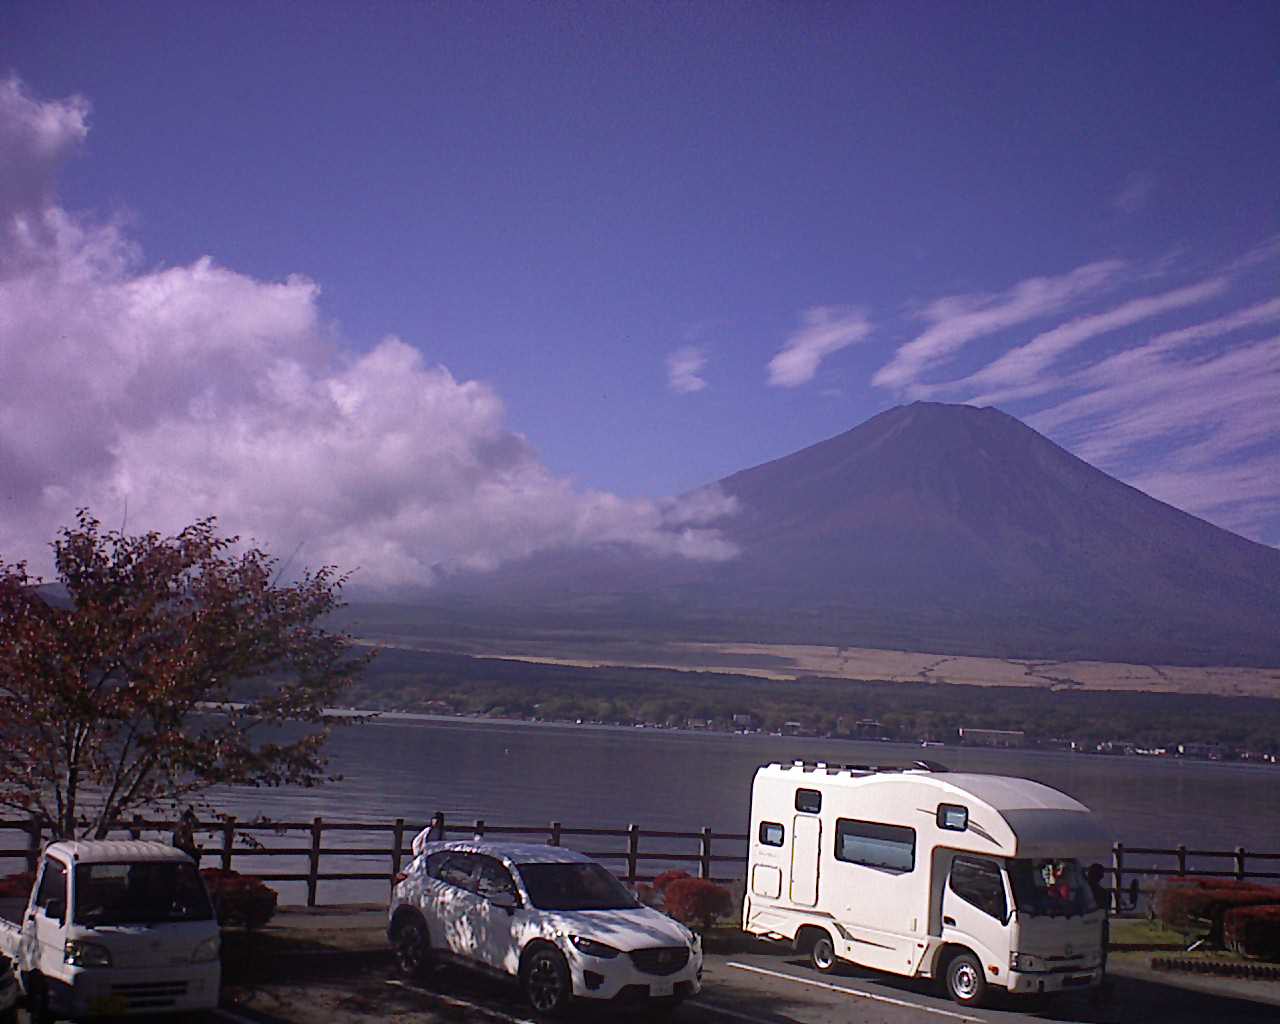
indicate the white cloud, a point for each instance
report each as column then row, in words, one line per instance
column 956, row 320
column 197, row 390
column 1135, row 193
column 1014, row 374
column 684, row 369
column 825, row 330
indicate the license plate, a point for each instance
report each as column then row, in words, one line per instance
column 109, row 1006
column 662, row 988
column 1079, row 979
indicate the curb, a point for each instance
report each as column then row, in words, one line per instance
column 1219, row 968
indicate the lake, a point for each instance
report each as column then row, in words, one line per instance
column 532, row 774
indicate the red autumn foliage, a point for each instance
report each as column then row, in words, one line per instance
column 1253, row 931
column 667, row 877
column 102, row 694
column 1182, row 901
column 17, row 885
column 697, row 901
column 239, row 899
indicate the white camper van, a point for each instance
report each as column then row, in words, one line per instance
column 976, row 880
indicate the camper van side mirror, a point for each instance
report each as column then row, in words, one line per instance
column 953, row 817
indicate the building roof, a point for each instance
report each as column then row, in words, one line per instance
column 116, row 851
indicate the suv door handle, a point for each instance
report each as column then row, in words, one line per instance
column 949, row 920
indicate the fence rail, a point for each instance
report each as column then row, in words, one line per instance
column 631, row 851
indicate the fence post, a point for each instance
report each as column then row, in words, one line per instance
column 479, row 828
column 704, row 867
column 135, row 827
column 1240, row 863
column 313, row 870
column 397, row 839
column 633, row 851
column 555, row 834
column 35, row 832
column 436, row 834
column 1181, row 851
column 1117, row 869
column 228, row 840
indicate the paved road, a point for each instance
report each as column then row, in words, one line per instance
column 746, row 988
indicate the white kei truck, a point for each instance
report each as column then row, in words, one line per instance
column 113, row 928
column 975, row 880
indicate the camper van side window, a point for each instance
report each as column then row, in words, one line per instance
column 808, row 800
column 771, row 833
column 978, row 881
column 891, row 847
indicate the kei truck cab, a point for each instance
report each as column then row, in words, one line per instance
column 975, row 880
column 113, row 928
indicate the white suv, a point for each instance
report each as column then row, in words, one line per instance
column 555, row 919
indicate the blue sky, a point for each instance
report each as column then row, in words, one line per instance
column 423, row 284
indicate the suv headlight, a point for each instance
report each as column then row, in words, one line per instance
column 592, row 948
column 1025, row 962
column 206, row 951
column 86, row 954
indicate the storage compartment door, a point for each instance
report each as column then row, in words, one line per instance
column 806, row 844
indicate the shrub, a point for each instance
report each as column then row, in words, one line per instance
column 1182, row 900
column 17, row 885
column 697, row 901
column 648, row 895
column 240, row 899
column 667, row 877
column 1253, row 931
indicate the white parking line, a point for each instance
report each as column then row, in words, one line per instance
column 724, row 1011
column 813, row 982
column 462, row 1004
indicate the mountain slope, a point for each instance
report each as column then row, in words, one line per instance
column 935, row 527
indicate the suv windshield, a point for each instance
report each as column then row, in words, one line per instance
column 575, row 887
column 1050, row 888
column 151, row 892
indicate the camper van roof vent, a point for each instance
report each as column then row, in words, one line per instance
column 865, row 769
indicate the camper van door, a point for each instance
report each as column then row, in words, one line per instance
column 806, row 849
column 975, row 909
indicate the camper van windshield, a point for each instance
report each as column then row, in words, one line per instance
column 1050, row 888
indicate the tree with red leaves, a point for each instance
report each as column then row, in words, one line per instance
column 158, row 675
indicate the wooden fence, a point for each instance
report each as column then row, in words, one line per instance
column 632, row 852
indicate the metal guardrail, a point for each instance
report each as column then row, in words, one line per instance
column 632, row 848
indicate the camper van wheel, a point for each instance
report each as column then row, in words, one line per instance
column 965, row 983
column 822, row 954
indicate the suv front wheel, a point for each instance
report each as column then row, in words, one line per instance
column 545, row 980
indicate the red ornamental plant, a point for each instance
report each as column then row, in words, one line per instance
column 1183, row 901
column 17, row 885
column 240, row 899
column 1253, row 931
column 697, row 901
column 667, row 877
column 105, row 696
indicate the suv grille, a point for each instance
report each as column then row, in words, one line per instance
column 660, row 959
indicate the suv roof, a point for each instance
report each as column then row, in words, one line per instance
column 516, row 853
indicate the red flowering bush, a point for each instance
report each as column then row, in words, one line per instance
column 239, row 899
column 697, row 901
column 1253, row 931
column 17, row 885
column 1183, row 901
column 667, row 877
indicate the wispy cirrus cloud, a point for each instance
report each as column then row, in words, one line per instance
column 825, row 330
column 684, row 370
column 956, row 320
column 1135, row 194
column 1017, row 373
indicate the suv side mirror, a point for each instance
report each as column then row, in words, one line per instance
column 505, row 899
column 56, row 909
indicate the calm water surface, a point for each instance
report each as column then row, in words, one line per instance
column 515, row 773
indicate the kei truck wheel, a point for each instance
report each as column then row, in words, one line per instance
column 965, row 983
